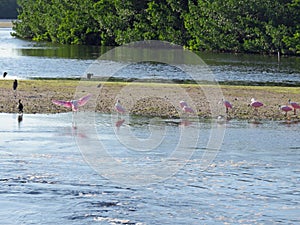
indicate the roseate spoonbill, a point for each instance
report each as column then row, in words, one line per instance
column 182, row 104
column 4, row 74
column 118, row 107
column 227, row 105
column 74, row 104
column 255, row 104
column 187, row 109
column 286, row 109
column 294, row 105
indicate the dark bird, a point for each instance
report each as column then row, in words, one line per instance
column 20, row 106
column 15, row 84
column 4, row 74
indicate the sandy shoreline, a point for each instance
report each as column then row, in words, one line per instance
column 148, row 99
column 6, row 24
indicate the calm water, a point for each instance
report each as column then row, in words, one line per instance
column 24, row 59
column 254, row 179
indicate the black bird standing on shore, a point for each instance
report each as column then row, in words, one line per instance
column 20, row 106
column 4, row 74
column 15, row 84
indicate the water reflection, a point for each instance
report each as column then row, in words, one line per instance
column 27, row 59
column 185, row 123
column 20, row 118
column 63, row 51
column 119, row 123
column 71, row 131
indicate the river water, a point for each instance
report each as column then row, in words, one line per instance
column 25, row 59
column 45, row 179
column 136, row 170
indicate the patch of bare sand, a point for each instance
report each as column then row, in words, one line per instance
column 161, row 100
column 6, row 24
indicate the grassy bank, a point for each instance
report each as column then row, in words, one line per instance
column 149, row 99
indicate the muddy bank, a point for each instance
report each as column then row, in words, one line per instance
column 150, row 99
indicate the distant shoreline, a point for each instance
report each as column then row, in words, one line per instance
column 37, row 95
column 6, row 23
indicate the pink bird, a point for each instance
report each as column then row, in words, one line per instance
column 118, row 107
column 187, row 109
column 255, row 103
column 294, row 105
column 182, row 104
column 74, row 104
column 227, row 105
column 286, row 109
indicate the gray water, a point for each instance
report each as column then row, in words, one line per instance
column 25, row 59
column 53, row 172
column 45, row 179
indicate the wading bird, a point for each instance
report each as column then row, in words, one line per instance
column 255, row 104
column 15, row 84
column 294, row 105
column 119, row 108
column 182, row 104
column 73, row 104
column 285, row 109
column 185, row 108
column 20, row 106
column 227, row 105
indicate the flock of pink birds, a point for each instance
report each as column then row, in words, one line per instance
column 256, row 104
column 75, row 104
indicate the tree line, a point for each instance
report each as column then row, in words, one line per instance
column 252, row 26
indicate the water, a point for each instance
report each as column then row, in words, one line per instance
column 24, row 59
column 52, row 173
column 254, row 178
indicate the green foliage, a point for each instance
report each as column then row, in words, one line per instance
column 234, row 25
column 242, row 26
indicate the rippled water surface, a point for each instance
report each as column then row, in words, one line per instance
column 46, row 177
column 25, row 59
